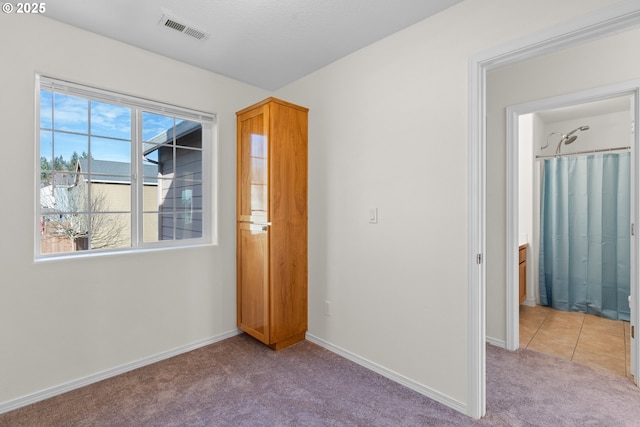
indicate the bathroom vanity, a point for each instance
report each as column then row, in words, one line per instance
column 522, row 258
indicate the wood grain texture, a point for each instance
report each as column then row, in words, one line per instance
column 522, row 271
column 284, row 127
column 253, row 278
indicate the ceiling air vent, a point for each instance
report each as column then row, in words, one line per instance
column 175, row 24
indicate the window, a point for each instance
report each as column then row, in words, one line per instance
column 119, row 173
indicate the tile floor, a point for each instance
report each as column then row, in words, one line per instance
column 583, row 338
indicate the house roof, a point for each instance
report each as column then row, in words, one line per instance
column 115, row 172
column 59, row 180
column 183, row 128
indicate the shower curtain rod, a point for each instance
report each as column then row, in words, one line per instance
column 600, row 150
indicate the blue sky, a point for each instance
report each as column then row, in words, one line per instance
column 110, row 127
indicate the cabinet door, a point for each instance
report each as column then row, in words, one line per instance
column 253, row 280
column 253, row 166
column 252, row 213
column 288, row 214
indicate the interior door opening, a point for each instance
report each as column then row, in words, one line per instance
column 585, row 127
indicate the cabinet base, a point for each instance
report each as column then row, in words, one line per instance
column 276, row 345
column 287, row 342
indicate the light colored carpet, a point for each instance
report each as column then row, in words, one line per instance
column 240, row 382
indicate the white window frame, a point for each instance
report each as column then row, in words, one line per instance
column 138, row 106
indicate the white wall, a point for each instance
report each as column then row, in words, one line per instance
column 599, row 63
column 526, row 183
column 607, row 131
column 61, row 321
column 533, row 291
column 388, row 129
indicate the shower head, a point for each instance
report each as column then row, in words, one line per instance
column 574, row 131
column 569, row 137
column 569, row 140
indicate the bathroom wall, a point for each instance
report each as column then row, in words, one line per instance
column 526, row 186
column 610, row 130
column 526, row 81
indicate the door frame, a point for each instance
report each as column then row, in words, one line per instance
column 630, row 88
column 619, row 17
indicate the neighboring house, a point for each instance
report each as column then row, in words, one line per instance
column 111, row 196
column 47, row 197
column 50, row 240
column 110, row 182
column 172, row 192
column 179, row 185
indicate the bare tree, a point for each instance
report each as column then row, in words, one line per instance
column 82, row 222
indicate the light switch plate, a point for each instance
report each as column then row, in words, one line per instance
column 373, row 215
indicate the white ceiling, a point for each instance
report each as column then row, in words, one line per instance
column 266, row 43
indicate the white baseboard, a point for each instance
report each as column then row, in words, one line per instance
column 394, row 376
column 81, row 382
column 497, row 342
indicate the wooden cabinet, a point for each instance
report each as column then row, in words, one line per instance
column 523, row 272
column 272, row 222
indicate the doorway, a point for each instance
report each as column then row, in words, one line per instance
column 592, row 326
column 604, row 23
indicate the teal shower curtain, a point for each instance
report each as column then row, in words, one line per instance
column 585, row 242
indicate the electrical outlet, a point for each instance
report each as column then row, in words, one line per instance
column 327, row 308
